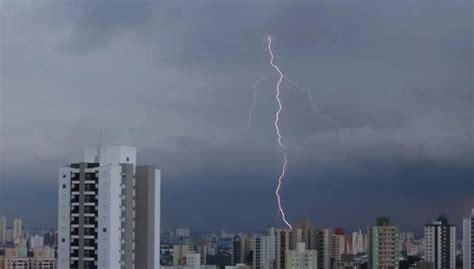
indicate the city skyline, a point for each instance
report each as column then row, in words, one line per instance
column 175, row 80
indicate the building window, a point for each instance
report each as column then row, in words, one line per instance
column 104, row 230
column 64, row 186
column 128, row 159
column 63, row 240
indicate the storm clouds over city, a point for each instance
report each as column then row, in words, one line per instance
column 175, row 79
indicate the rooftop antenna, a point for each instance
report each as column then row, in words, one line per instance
column 101, row 143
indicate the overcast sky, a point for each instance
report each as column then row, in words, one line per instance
column 175, row 79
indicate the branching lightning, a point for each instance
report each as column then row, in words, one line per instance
column 254, row 103
column 317, row 113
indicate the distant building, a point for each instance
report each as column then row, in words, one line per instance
column 3, row 230
column 225, row 234
column 237, row 250
column 20, row 242
column 283, row 239
column 109, row 211
column 193, row 260
column 384, row 252
column 440, row 244
column 359, row 242
column 8, row 235
column 301, row 258
column 323, row 238
column 36, row 241
column 183, row 232
column 180, row 252
column 338, row 243
column 17, row 228
column 314, row 239
column 43, row 258
column 347, row 261
column 16, row 258
column 468, row 241
column 264, row 250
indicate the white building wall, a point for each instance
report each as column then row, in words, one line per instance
column 64, row 220
column 156, row 247
column 109, row 222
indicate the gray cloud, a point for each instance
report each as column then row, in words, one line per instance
column 396, row 76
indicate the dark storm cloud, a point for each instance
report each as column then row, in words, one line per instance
column 174, row 79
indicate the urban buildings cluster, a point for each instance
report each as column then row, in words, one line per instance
column 381, row 246
column 20, row 249
column 109, row 218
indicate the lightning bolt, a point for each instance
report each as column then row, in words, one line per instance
column 254, row 103
column 316, row 111
column 277, row 128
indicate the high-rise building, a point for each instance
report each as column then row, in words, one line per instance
column 468, row 241
column 3, row 230
column 301, row 258
column 359, row 242
column 147, row 217
column 338, row 244
column 283, row 239
column 100, row 199
column 323, row 247
column 384, row 245
column 264, row 250
column 180, row 253
column 314, row 239
column 237, row 249
column 440, row 244
column 17, row 229
column 303, row 231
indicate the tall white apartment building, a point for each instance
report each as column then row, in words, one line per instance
column 468, row 241
column 98, row 211
column 440, row 244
